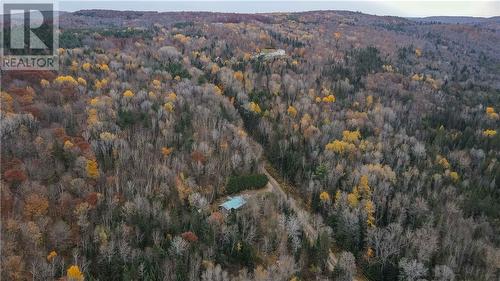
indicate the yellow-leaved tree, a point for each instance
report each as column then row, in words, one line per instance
column 92, row 169
column 329, row 99
column 74, row 274
column 51, row 256
column 156, row 84
column 443, row 162
column 169, row 106
column 171, row 96
column 68, row 145
column 366, row 193
column 66, row 80
column 489, row 133
column 103, row 67
column 353, row 198
column 101, row 84
column 128, row 94
column 340, row 147
column 370, row 213
column 292, row 111
column 324, row 196
column 86, row 66
column 364, row 188
column 351, row 136
column 369, row 100
column 218, row 90
column 81, row 81
column 254, row 107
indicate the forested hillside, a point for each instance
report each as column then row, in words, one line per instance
column 383, row 129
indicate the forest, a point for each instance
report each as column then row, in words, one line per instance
column 366, row 148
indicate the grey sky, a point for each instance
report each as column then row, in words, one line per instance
column 397, row 8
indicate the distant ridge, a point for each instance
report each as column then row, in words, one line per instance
column 456, row 19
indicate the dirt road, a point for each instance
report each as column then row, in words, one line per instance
column 310, row 230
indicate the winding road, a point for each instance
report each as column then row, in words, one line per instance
column 305, row 219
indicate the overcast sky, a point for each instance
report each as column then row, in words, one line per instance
column 403, row 8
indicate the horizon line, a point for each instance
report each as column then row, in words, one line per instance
column 404, row 9
column 273, row 12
